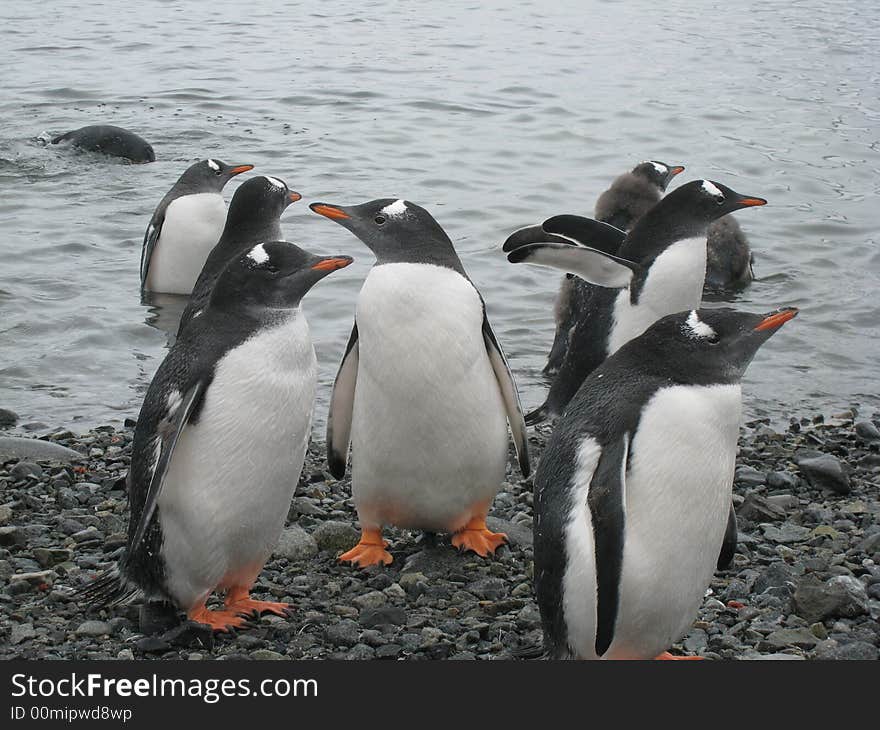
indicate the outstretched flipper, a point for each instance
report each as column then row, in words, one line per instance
column 606, row 500
column 510, row 395
column 592, row 265
column 586, row 232
column 532, row 234
column 168, row 433
column 341, row 407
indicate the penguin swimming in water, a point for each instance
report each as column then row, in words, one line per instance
column 729, row 260
column 254, row 216
column 220, row 442
column 185, row 226
column 627, row 199
column 656, row 269
column 632, row 492
column 109, row 140
column 423, row 394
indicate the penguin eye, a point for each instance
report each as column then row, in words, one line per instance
column 218, row 172
column 271, row 268
column 379, row 220
column 719, row 201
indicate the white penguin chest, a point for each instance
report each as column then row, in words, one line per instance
column 235, row 470
column 193, row 225
column 429, row 430
column 674, row 284
column 677, row 496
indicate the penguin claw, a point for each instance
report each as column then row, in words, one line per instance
column 220, row 621
column 482, row 541
column 363, row 555
column 249, row 607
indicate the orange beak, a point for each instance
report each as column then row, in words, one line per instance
column 748, row 202
column 337, row 262
column 676, row 170
column 328, row 211
column 294, row 196
column 777, row 319
column 240, row 169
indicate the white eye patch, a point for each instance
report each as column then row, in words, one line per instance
column 275, row 182
column 213, row 165
column 258, row 254
column 398, row 207
column 695, row 328
column 710, row 189
column 661, row 169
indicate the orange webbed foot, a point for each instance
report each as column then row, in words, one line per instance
column 251, row 607
column 667, row 656
column 479, row 538
column 220, row 621
column 369, row 551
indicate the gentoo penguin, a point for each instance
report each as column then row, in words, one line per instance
column 109, row 140
column 729, row 259
column 220, row 442
column 254, row 216
column 423, row 393
column 185, row 226
column 629, row 197
column 656, row 269
column 632, row 491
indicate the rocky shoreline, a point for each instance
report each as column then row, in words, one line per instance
column 805, row 582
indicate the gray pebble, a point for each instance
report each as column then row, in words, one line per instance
column 296, row 544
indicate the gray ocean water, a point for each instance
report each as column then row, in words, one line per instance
column 492, row 115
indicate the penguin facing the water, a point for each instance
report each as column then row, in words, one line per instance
column 109, row 140
column 656, row 269
column 185, row 226
column 220, row 442
column 423, row 394
column 254, row 216
column 633, row 489
column 627, row 199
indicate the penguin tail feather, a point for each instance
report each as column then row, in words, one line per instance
column 110, row 588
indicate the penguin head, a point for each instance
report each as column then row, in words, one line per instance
column 257, row 200
column 657, row 173
column 712, row 345
column 211, row 174
column 393, row 229
column 699, row 202
column 273, row 275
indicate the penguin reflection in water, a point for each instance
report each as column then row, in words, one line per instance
column 215, row 461
column 424, row 393
column 633, row 490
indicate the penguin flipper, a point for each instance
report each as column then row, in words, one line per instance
column 586, row 232
column 150, row 239
column 341, row 406
column 510, row 395
column 532, row 234
column 592, row 265
column 174, row 423
column 606, row 500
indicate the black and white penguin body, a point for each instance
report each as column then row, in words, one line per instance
column 109, row 140
column 627, row 199
column 633, row 491
column 659, row 268
column 254, row 216
column 423, row 394
column 220, row 441
column 185, row 226
column 729, row 259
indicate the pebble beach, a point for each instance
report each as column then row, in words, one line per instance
column 804, row 583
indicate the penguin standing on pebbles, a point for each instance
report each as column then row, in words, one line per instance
column 424, row 393
column 656, row 269
column 633, row 489
column 185, row 226
column 254, row 216
column 220, row 442
column 628, row 198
